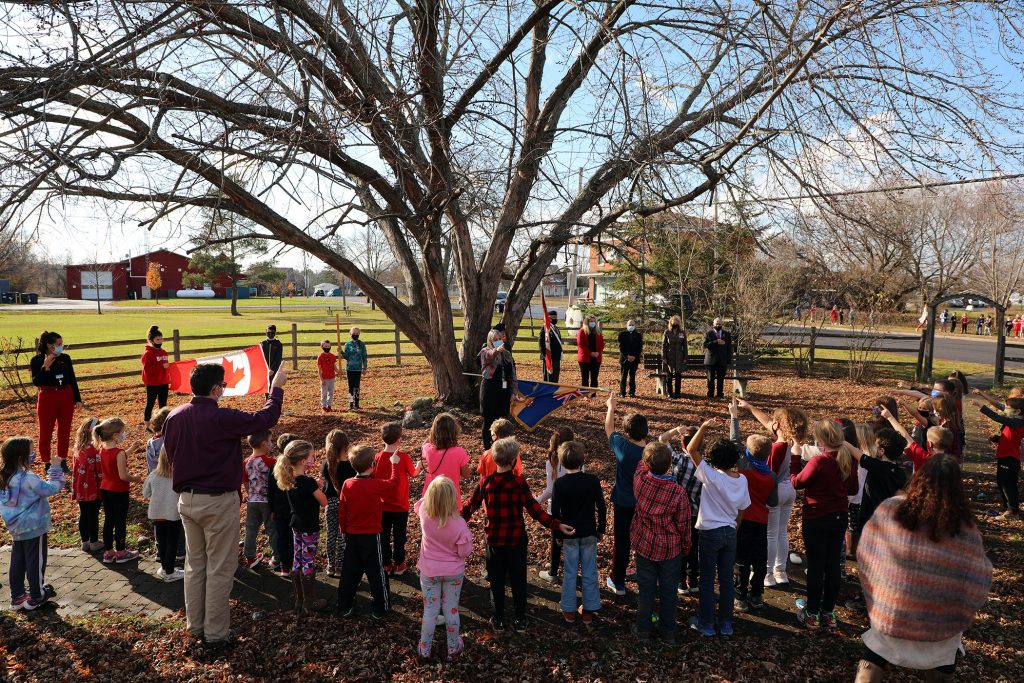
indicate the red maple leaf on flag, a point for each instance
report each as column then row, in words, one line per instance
column 232, row 374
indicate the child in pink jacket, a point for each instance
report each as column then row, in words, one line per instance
column 445, row 545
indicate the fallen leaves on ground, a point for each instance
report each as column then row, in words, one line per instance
column 272, row 646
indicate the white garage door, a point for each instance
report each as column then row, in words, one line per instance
column 97, row 285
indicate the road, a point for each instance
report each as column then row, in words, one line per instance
column 966, row 348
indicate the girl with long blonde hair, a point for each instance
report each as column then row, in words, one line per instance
column 305, row 500
column 827, row 479
column 445, row 545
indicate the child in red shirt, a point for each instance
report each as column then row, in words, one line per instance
column 394, row 505
column 500, row 429
column 359, row 518
column 326, row 367
column 85, row 486
column 1008, row 454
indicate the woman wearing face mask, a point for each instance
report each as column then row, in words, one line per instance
column 354, row 354
column 589, row 350
column 54, row 375
column 673, row 356
column 155, row 372
column 498, row 384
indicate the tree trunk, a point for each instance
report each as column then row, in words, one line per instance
column 234, row 296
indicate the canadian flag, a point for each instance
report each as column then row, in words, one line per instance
column 245, row 372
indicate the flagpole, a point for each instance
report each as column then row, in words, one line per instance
column 550, row 384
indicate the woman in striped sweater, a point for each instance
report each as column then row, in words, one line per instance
column 924, row 574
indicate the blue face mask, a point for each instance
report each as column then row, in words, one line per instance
column 31, row 458
column 58, row 349
column 591, row 325
column 631, row 328
column 498, row 344
column 936, row 393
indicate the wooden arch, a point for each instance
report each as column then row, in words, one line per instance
column 929, row 352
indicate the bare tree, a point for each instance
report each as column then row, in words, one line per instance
column 996, row 220
column 456, row 128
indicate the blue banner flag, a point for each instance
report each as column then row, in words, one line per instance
column 538, row 400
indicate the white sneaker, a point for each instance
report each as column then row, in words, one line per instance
column 548, row 576
column 769, row 580
column 161, row 574
column 780, row 578
column 176, row 575
column 795, row 559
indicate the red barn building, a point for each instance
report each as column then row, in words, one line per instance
column 127, row 279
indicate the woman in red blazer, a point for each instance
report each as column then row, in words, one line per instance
column 155, row 372
column 589, row 350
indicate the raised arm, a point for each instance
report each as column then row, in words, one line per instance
column 996, row 403
column 912, row 409
column 764, row 418
column 693, row 448
column 909, row 392
column 900, row 429
column 734, row 423
column 609, row 417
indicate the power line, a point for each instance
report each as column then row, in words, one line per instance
column 877, row 190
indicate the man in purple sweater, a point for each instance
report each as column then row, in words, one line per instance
column 203, row 443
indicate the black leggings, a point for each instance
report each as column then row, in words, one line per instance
column 115, row 519
column 89, row 520
column 155, row 394
column 823, row 542
column 167, row 533
column 555, row 556
column 589, row 372
column 1008, row 480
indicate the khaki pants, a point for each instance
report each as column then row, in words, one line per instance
column 211, row 558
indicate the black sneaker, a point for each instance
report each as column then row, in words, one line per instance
column 497, row 624
column 741, row 604
column 520, row 625
column 755, row 602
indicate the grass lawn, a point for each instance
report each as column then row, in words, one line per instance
column 259, row 301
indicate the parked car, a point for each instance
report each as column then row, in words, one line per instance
column 499, row 302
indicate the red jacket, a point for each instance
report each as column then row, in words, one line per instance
column 583, row 347
column 360, row 505
column 825, row 491
column 153, row 371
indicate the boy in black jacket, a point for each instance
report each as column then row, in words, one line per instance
column 579, row 502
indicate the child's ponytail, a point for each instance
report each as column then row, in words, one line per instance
column 284, row 470
column 83, row 437
column 829, row 435
column 13, row 457
column 558, row 437
column 336, row 445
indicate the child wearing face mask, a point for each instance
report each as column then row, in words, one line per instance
column 26, row 513
column 115, row 483
column 326, row 363
column 354, row 354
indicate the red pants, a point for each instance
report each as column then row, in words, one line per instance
column 55, row 407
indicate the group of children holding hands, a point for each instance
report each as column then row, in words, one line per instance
column 684, row 513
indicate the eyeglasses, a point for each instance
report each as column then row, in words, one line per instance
column 223, row 385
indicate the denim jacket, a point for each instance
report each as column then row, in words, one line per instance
column 24, row 505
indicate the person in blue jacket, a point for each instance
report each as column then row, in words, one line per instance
column 26, row 513
column 354, row 354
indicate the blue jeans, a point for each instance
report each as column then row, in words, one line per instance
column 657, row 578
column 582, row 553
column 717, row 552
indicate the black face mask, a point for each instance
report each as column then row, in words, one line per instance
column 355, row 336
column 271, row 335
column 157, row 345
column 718, row 327
column 326, row 349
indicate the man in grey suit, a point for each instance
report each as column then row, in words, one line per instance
column 717, row 354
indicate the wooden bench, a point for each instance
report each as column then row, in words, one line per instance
column 740, row 366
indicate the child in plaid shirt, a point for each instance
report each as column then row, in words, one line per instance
column 506, row 496
column 660, row 536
